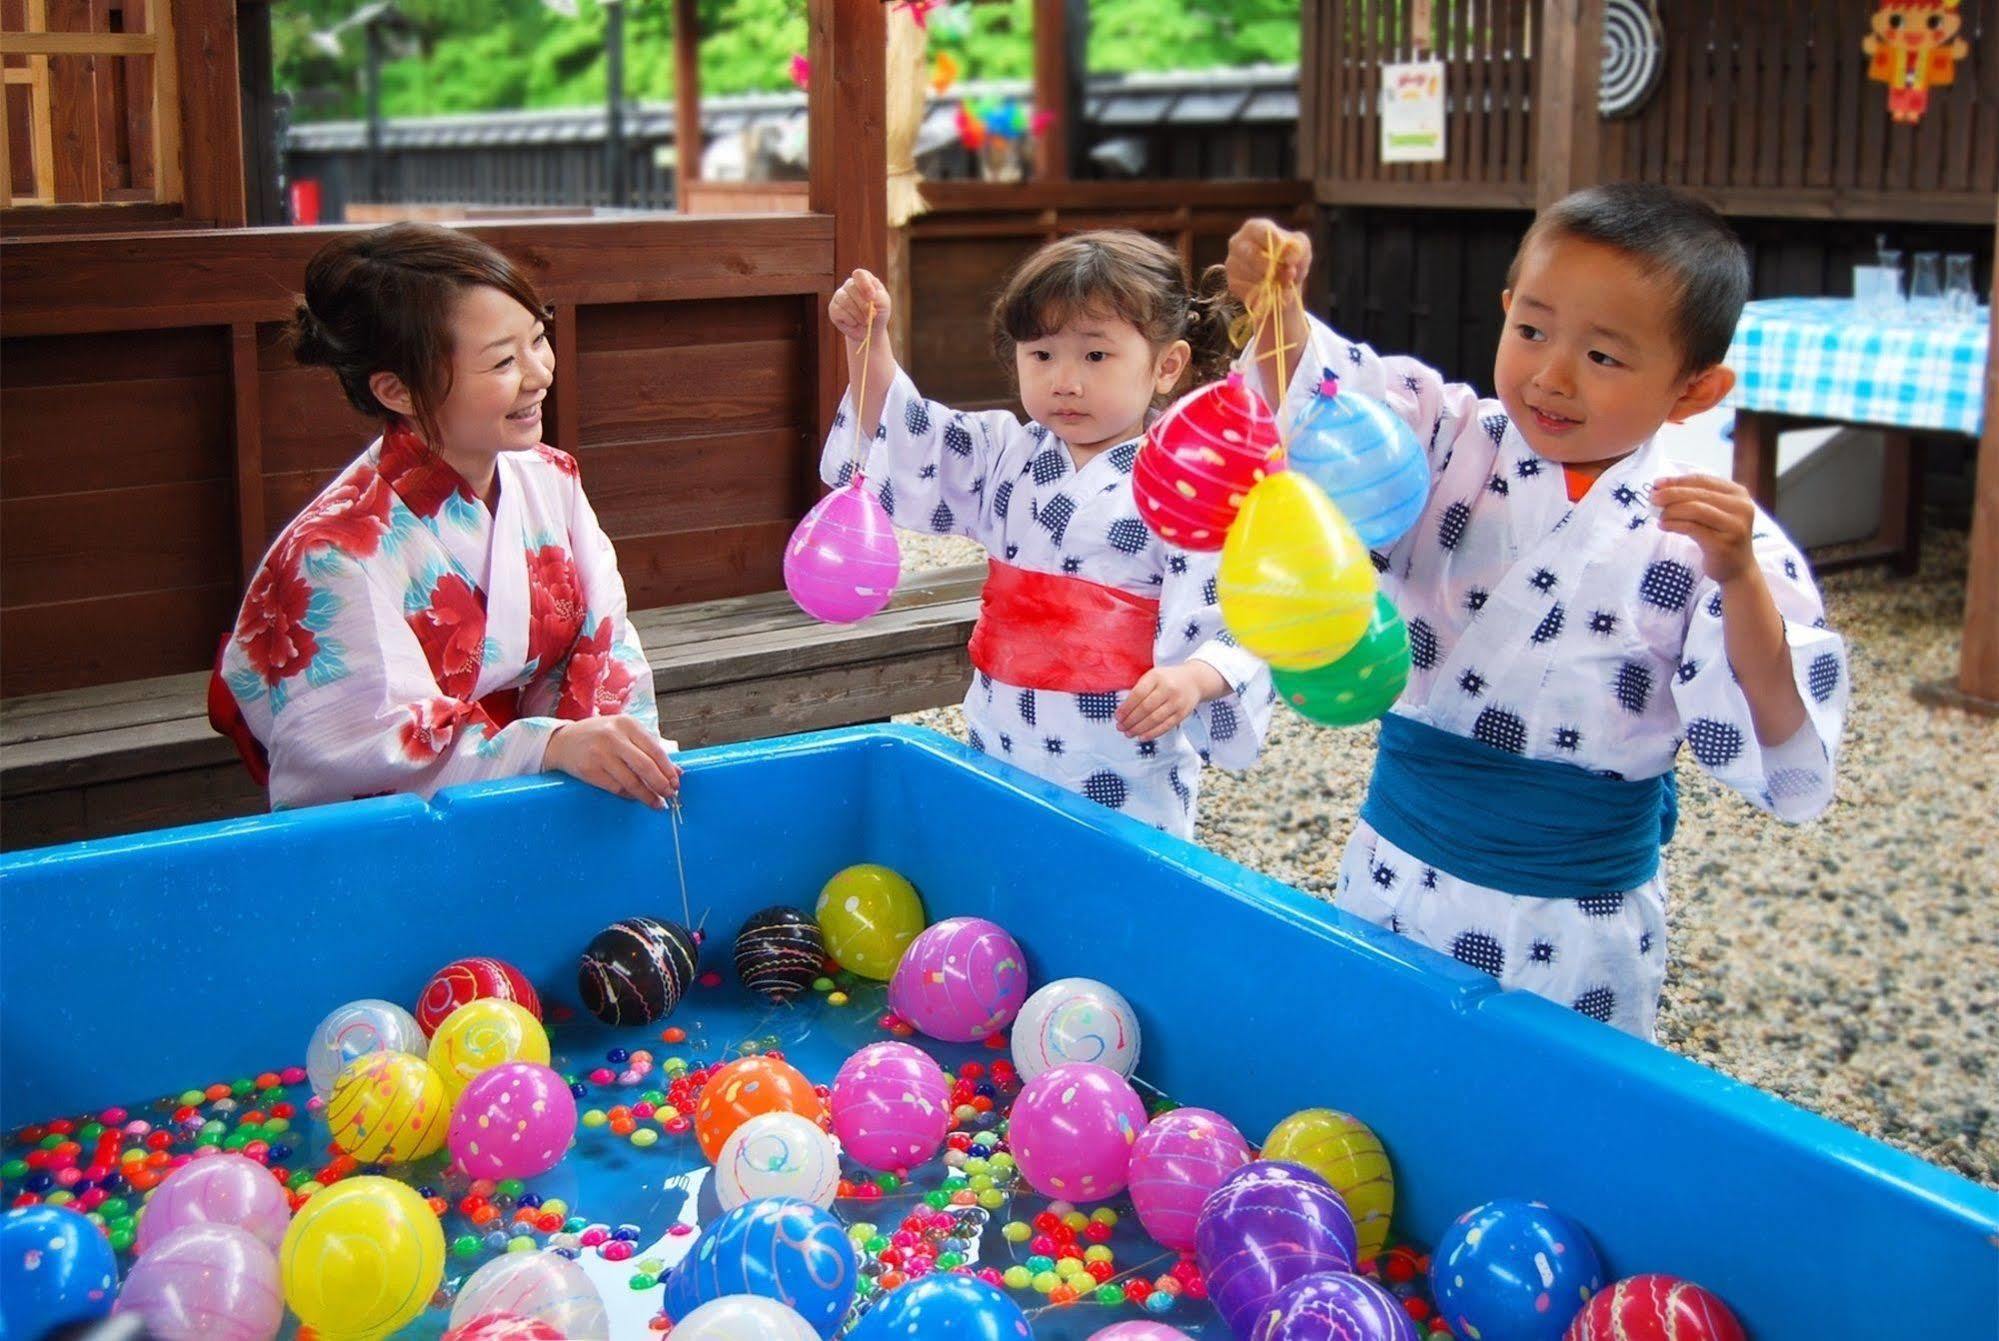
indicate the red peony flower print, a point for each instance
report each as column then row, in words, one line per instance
column 452, row 630
column 419, row 475
column 561, row 460
column 433, row 725
column 352, row 516
column 597, row 683
column 555, row 604
column 272, row 625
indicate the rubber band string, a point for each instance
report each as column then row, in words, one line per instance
column 858, row 457
column 1264, row 306
column 680, row 866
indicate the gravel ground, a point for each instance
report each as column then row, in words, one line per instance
column 1850, row 966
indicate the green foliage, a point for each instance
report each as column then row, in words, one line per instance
column 486, row 55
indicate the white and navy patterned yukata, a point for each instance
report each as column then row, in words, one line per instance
column 1571, row 632
column 1015, row 489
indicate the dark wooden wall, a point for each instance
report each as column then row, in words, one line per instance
column 154, row 433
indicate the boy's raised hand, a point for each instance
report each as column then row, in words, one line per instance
column 1249, row 259
column 849, row 310
column 1716, row 514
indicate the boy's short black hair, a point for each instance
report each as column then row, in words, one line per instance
column 1667, row 233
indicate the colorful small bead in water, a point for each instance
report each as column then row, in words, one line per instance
column 1018, row 1278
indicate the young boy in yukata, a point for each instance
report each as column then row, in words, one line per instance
column 1578, row 607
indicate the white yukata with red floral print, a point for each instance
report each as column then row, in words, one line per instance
column 401, row 637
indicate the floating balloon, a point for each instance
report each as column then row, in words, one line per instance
column 790, row 1251
column 481, row 1035
column 514, row 1120
column 1176, row 1162
column 353, row 1031
column 1654, row 1308
column 1334, row 1306
column 392, row 1106
column 1075, row 1020
column 635, row 971
column 1367, row 460
column 465, row 980
column 745, row 1088
column 1295, row 583
column 842, row 562
column 206, row 1282
column 1072, row 1131
column 1267, row 1225
column 1200, row 460
column 224, row 1189
column 743, row 1317
column 1141, row 1330
column 779, row 952
column 362, row 1258
column 777, row 1155
column 1361, row 685
column 1515, row 1271
column 891, row 1106
column 55, row 1268
column 503, row 1327
column 943, row 1307
column 870, row 915
column 544, row 1287
column 960, row 980
column 1344, row 1151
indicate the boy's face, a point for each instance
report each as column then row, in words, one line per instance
column 1587, row 366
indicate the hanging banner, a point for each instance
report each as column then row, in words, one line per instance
column 1412, row 112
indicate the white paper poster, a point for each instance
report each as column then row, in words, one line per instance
column 1412, row 112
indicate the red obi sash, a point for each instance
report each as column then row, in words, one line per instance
column 1048, row 631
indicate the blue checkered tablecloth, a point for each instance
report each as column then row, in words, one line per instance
column 1820, row 358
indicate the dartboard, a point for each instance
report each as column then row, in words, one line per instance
column 1631, row 57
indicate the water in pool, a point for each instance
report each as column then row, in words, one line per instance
column 628, row 1198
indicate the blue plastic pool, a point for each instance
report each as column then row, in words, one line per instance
column 138, row 966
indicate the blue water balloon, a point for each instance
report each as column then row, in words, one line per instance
column 1366, row 459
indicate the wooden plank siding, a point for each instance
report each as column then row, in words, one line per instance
column 155, row 434
column 1763, row 108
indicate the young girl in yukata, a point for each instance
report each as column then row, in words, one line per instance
column 1102, row 664
column 1578, row 608
column 448, row 609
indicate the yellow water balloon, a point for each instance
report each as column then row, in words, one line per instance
column 388, row 1106
column 869, row 915
column 483, row 1034
column 1295, row 583
column 361, row 1259
column 1344, row 1151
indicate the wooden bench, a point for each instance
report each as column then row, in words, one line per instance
column 89, row 763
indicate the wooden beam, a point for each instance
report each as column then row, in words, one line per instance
column 245, row 390
column 1978, row 663
column 72, row 43
column 1061, row 36
column 211, row 121
column 686, row 100
column 847, row 118
column 1568, row 44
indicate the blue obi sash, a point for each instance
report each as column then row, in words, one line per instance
column 1523, row 826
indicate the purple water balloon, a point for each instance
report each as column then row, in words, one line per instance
column 960, row 980
column 1268, row 1224
column 206, row 1282
column 224, row 1189
column 842, row 562
column 1176, row 1162
column 1334, row 1306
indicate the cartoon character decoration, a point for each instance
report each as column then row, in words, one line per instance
column 1915, row 47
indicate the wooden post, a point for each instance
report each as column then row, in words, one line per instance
column 686, row 100
column 1976, row 688
column 1568, row 45
column 849, row 170
column 1061, row 46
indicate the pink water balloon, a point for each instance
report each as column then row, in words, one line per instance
column 1143, row 1330
column 1072, row 1131
column 1176, row 1162
column 842, row 562
column 514, row 1120
column 891, row 1106
column 960, row 980
column 206, row 1282
column 225, row 1189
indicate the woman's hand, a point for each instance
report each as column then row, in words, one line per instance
column 619, row 754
